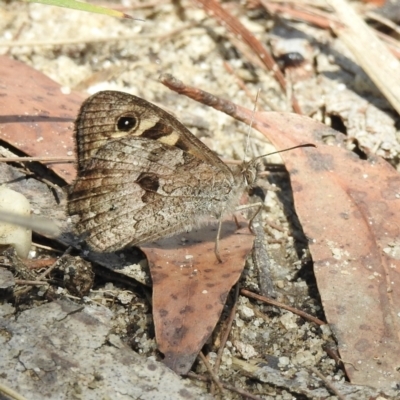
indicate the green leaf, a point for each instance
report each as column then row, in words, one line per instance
column 78, row 5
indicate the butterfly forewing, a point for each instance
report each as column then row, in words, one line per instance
column 101, row 119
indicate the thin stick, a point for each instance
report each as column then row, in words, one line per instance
column 384, row 21
column 48, row 270
column 327, row 383
column 296, row 311
column 227, row 331
column 31, row 283
column 234, row 389
column 211, row 372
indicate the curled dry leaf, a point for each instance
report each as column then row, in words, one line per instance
column 190, row 287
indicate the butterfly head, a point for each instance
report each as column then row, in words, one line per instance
column 249, row 171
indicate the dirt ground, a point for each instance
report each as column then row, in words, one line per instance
column 88, row 53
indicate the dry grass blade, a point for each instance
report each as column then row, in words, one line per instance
column 12, row 394
column 41, row 159
column 214, row 9
column 372, row 55
column 301, row 13
column 39, row 224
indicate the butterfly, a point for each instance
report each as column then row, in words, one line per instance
column 142, row 175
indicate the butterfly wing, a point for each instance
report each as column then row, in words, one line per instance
column 136, row 190
column 111, row 115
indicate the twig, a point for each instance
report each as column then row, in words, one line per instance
column 39, row 263
column 31, row 283
column 227, row 331
column 211, row 372
column 384, row 21
column 328, row 384
column 48, row 270
column 242, row 392
column 199, row 95
column 42, row 246
column 296, row 311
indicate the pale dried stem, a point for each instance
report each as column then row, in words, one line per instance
column 40, row 159
column 371, row 54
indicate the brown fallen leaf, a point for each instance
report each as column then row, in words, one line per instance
column 36, row 117
column 190, row 287
column 349, row 210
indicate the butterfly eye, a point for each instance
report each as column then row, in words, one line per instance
column 126, row 123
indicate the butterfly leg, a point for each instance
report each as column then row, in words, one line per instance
column 259, row 205
column 216, row 248
column 244, row 207
column 236, row 221
column 247, row 206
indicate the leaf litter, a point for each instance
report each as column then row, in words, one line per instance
column 257, row 329
column 347, row 208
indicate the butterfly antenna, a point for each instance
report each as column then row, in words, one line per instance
column 251, row 124
column 283, row 150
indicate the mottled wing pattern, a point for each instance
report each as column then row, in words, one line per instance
column 111, row 115
column 136, row 190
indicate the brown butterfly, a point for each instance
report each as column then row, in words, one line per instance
column 143, row 176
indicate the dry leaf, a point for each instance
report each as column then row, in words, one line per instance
column 190, row 287
column 349, row 210
column 36, row 116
